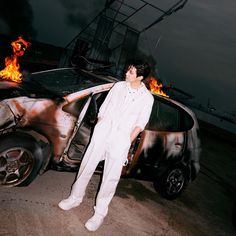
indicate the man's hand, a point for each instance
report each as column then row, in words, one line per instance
column 99, row 119
column 135, row 133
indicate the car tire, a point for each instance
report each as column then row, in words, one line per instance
column 172, row 183
column 20, row 159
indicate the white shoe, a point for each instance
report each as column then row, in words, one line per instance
column 69, row 203
column 94, row 222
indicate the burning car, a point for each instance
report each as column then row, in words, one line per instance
column 47, row 120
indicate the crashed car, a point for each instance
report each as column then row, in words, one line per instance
column 47, row 120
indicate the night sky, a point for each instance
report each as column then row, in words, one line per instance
column 194, row 49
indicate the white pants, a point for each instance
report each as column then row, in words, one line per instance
column 102, row 147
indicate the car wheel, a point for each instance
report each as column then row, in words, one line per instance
column 20, row 160
column 171, row 184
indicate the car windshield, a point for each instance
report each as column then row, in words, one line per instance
column 65, row 81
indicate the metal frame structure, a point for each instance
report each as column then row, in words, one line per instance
column 111, row 38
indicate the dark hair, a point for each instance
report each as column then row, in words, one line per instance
column 143, row 68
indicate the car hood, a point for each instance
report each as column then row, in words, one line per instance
column 32, row 89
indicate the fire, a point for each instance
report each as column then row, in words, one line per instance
column 155, row 87
column 12, row 69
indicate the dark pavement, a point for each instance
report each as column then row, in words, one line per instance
column 207, row 207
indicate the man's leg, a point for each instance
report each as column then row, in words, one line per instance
column 111, row 176
column 90, row 161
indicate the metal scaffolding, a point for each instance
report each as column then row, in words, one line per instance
column 111, row 38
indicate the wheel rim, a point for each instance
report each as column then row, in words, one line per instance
column 175, row 181
column 16, row 165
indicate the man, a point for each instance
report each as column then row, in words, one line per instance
column 122, row 116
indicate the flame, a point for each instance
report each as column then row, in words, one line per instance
column 12, row 69
column 155, row 87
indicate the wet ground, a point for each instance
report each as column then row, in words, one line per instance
column 207, row 207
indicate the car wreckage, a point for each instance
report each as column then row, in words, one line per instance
column 47, row 120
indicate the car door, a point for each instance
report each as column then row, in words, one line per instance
column 163, row 140
column 83, row 133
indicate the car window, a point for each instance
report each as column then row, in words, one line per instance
column 186, row 121
column 97, row 100
column 168, row 117
column 93, row 109
column 65, row 81
column 57, row 78
column 100, row 97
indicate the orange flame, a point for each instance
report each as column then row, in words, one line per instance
column 155, row 87
column 12, row 69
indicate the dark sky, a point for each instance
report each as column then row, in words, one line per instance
column 194, row 49
column 197, row 51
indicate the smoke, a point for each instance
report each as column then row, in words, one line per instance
column 16, row 18
column 80, row 12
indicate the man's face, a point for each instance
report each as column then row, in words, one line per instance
column 131, row 74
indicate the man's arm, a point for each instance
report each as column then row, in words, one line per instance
column 106, row 103
column 142, row 119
